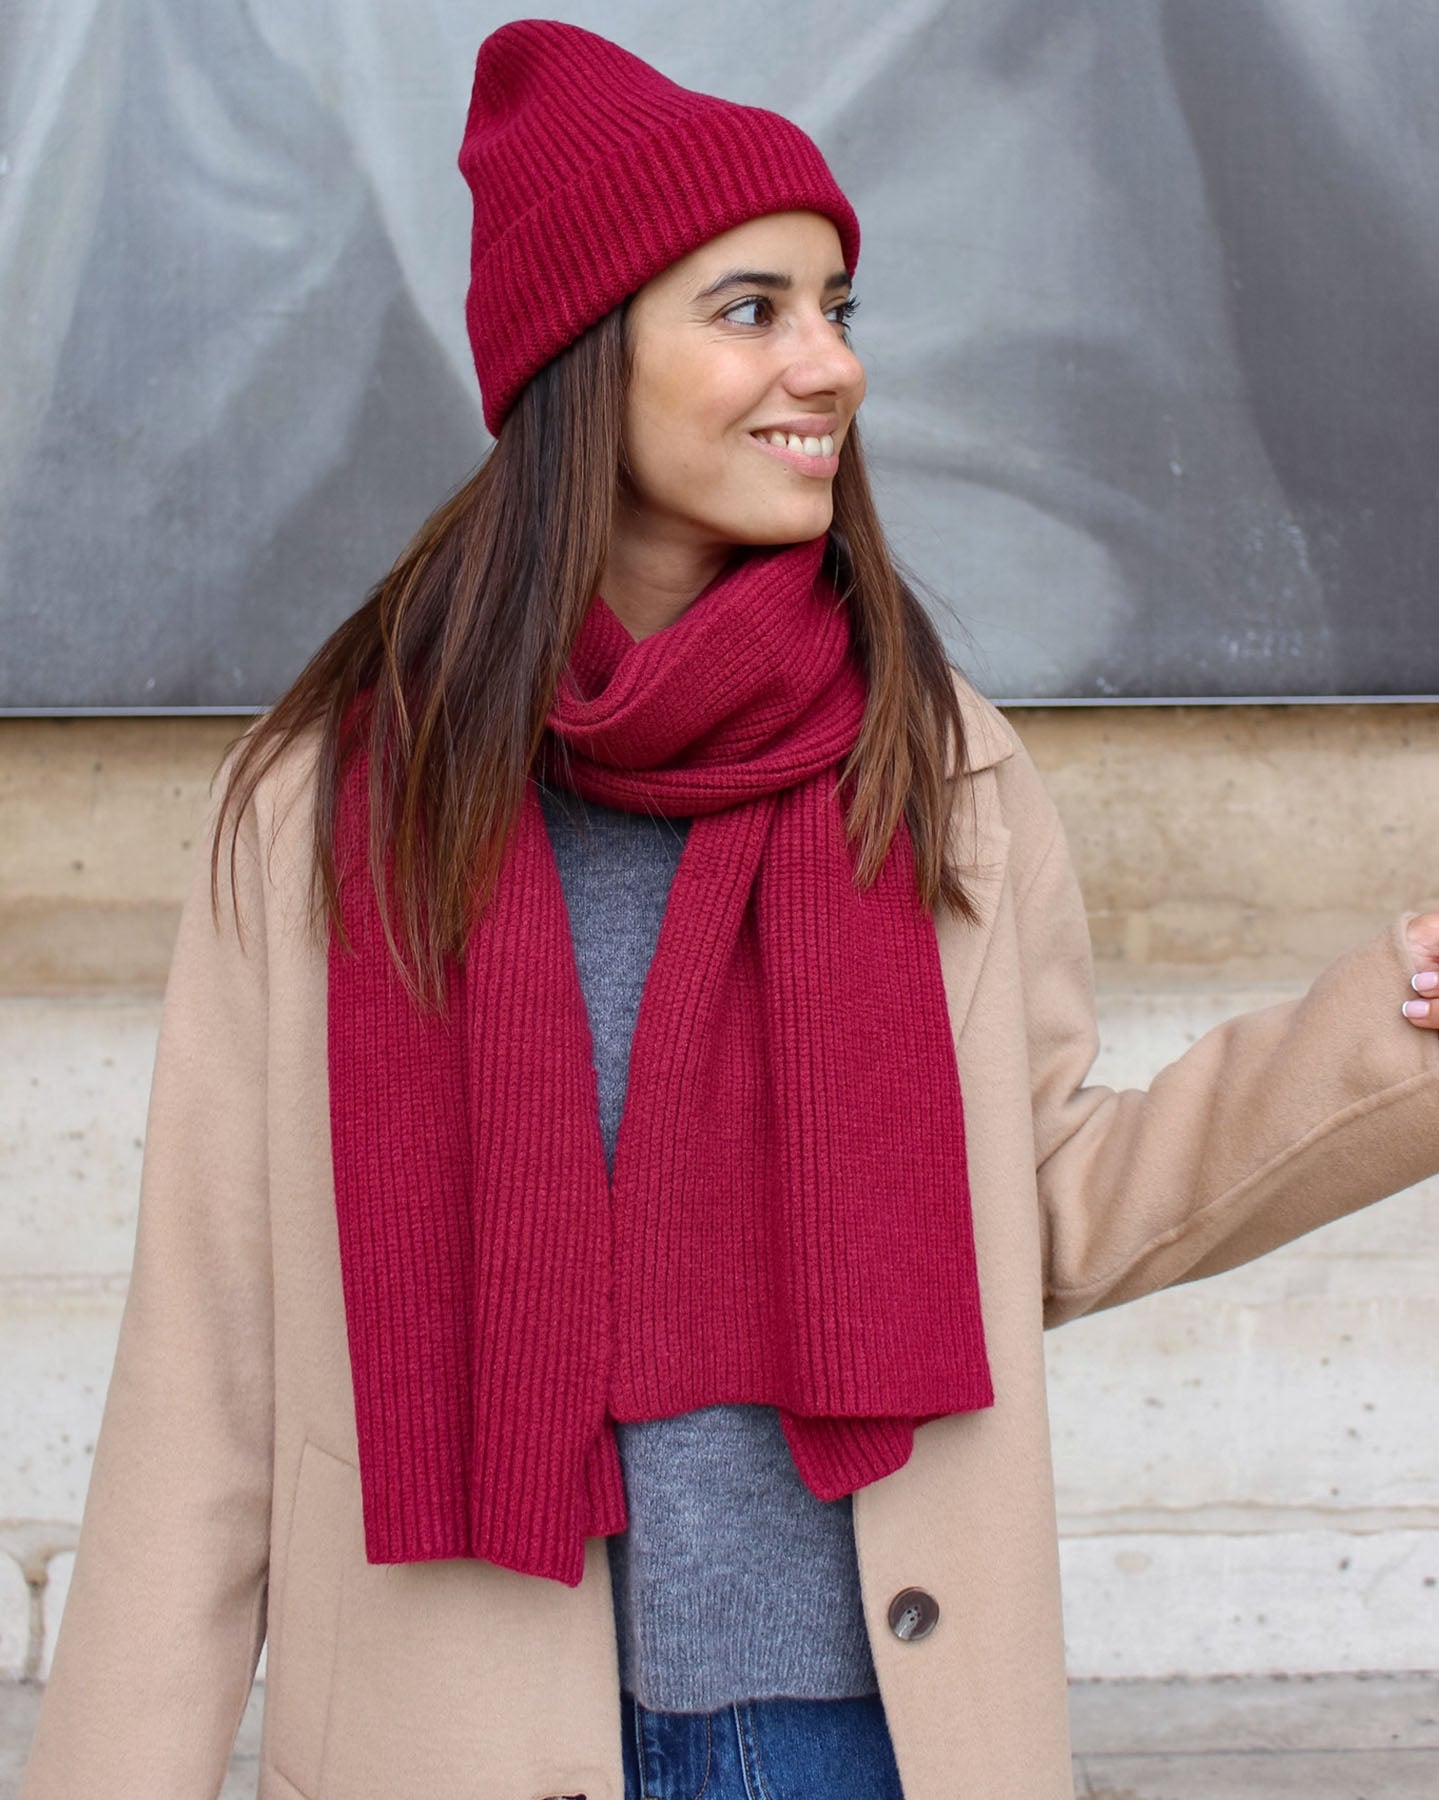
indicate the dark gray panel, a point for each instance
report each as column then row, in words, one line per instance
column 1150, row 300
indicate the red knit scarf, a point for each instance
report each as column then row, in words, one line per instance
column 789, row 1218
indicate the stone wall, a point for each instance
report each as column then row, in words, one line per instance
column 1247, row 1479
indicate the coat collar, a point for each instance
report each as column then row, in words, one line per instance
column 989, row 738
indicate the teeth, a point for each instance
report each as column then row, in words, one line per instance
column 809, row 446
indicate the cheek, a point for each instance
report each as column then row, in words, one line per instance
column 686, row 417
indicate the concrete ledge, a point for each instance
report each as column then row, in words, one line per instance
column 1319, row 1737
column 1267, row 836
column 1264, row 838
column 98, row 823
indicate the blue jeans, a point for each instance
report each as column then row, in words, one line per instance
column 760, row 1750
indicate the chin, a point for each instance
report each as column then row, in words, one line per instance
column 791, row 525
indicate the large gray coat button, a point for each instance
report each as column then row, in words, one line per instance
column 913, row 1613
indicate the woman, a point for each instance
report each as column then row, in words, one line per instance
column 619, row 1127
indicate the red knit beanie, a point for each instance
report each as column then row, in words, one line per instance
column 592, row 172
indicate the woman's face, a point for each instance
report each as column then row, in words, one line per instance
column 742, row 338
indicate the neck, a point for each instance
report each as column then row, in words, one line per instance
column 649, row 586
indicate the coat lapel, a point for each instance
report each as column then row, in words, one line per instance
column 981, row 842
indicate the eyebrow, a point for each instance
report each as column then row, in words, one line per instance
column 769, row 278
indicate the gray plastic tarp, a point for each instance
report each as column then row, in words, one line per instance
column 1150, row 302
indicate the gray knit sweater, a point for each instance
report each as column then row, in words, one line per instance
column 733, row 1581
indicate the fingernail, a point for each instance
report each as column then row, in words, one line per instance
column 1415, row 1009
column 1426, row 982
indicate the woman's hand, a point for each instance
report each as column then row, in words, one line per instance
column 1423, row 932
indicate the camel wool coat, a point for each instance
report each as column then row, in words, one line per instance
column 224, row 1505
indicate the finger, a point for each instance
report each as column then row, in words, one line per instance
column 1423, row 1013
column 1422, row 933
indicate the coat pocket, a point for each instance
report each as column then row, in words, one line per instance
column 300, row 1663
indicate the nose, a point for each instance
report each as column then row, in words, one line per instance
column 822, row 362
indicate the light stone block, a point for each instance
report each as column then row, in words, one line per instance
column 14, row 1619
column 1220, row 1446
column 1156, row 1604
column 1190, row 1400
column 74, row 1089
column 56, row 1354
column 1302, row 1379
column 19, row 1712
column 58, row 1570
column 1207, row 833
column 1143, row 1028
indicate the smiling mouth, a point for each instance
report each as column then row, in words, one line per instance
column 818, row 445
column 822, row 460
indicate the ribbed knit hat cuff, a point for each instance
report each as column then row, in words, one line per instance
column 622, row 220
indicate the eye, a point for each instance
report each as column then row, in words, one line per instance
column 845, row 308
column 749, row 300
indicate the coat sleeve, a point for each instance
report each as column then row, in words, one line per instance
column 1267, row 1127
column 165, row 1614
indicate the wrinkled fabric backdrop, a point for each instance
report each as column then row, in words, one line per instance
column 1149, row 307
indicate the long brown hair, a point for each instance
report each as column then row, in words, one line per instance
column 460, row 647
